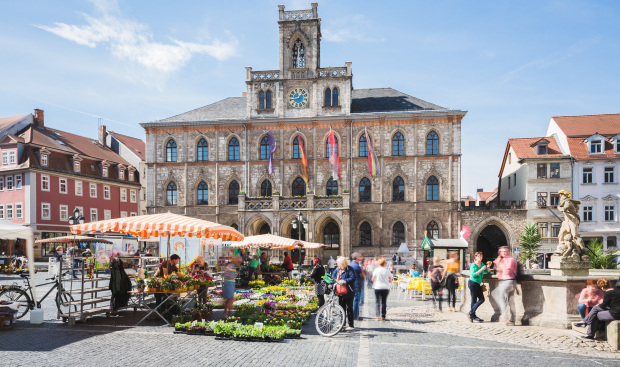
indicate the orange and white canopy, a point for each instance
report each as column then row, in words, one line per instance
column 312, row 245
column 73, row 239
column 268, row 241
column 164, row 224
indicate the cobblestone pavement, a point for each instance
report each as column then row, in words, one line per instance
column 413, row 334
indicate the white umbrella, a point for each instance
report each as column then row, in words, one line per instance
column 403, row 249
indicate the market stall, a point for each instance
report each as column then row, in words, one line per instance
column 165, row 225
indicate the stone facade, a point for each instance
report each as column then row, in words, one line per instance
column 382, row 112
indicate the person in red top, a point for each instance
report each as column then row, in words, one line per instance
column 288, row 265
column 506, row 267
column 589, row 297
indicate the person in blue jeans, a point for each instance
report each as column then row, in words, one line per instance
column 356, row 264
column 476, row 272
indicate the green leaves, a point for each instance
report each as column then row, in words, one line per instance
column 529, row 242
column 599, row 259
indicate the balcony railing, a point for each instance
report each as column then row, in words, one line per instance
column 258, row 203
column 328, row 202
column 332, row 72
column 266, row 75
column 293, row 203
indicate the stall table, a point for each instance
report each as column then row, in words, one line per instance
column 183, row 297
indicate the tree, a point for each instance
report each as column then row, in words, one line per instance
column 529, row 241
column 599, row 259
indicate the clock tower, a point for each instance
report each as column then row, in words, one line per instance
column 300, row 87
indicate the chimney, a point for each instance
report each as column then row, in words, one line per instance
column 244, row 94
column 39, row 119
column 103, row 133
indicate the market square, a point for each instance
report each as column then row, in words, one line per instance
column 324, row 214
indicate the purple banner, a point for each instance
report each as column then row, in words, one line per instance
column 272, row 149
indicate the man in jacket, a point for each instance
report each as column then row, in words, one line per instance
column 288, row 265
column 356, row 264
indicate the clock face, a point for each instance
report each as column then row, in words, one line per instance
column 298, row 98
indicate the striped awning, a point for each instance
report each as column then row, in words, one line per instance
column 268, row 241
column 73, row 239
column 154, row 225
column 312, row 245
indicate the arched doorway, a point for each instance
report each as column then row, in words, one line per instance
column 295, row 233
column 265, row 229
column 490, row 240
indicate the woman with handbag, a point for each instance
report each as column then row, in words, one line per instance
column 345, row 287
column 450, row 277
column 317, row 275
column 476, row 272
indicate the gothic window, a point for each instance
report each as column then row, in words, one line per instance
column 264, row 148
column 398, row 144
column 265, row 188
column 332, row 187
column 171, row 151
column 335, row 97
column 171, row 194
column 261, row 100
column 264, row 229
column 365, row 234
column 296, row 148
column 398, row 189
column 365, row 190
column 432, row 189
column 299, row 57
column 235, row 226
column 328, row 97
column 327, row 155
column 233, row 193
column 299, row 187
column 398, row 234
column 203, row 193
column 233, row 149
column 363, row 146
column 202, row 151
column 268, row 99
column 331, row 235
column 432, row 143
column 432, row 230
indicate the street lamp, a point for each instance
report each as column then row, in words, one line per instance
column 298, row 222
column 76, row 218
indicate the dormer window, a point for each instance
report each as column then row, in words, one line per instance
column 542, row 149
column 77, row 166
column 130, row 175
column 617, row 145
column 299, row 57
column 596, row 146
column 121, row 174
column 44, row 159
column 104, row 171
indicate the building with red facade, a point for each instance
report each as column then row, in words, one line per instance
column 46, row 173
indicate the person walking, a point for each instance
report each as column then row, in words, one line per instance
column 288, row 265
column 450, row 277
column 317, row 275
column 331, row 265
column 436, row 275
column 506, row 267
column 228, row 287
column 356, row 264
column 345, row 275
column 369, row 269
column 381, row 280
column 394, row 258
column 608, row 310
column 476, row 272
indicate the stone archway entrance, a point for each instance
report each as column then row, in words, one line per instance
column 490, row 240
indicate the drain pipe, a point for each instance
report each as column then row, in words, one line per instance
column 350, row 186
column 247, row 162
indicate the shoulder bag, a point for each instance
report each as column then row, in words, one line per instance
column 341, row 289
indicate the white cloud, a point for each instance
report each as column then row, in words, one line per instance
column 131, row 40
column 349, row 28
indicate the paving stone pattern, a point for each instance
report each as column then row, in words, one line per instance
column 413, row 334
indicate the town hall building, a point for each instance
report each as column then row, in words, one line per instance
column 213, row 162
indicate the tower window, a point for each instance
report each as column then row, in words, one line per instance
column 328, row 97
column 299, row 57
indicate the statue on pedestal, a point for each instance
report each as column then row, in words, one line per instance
column 571, row 246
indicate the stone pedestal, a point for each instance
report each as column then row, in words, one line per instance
column 568, row 267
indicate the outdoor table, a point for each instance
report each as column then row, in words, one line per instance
column 184, row 297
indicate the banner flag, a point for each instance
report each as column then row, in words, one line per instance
column 272, row 149
column 334, row 156
column 304, row 160
column 373, row 160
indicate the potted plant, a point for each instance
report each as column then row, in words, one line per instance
column 140, row 284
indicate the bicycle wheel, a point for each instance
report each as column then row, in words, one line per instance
column 17, row 295
column 330, row 319
column 63, row 303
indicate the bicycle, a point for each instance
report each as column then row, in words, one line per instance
column 24, row 296
column 330, row 318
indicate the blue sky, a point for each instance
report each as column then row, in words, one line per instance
column 512, row 65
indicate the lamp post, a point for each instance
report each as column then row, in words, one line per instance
column 298, row 223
